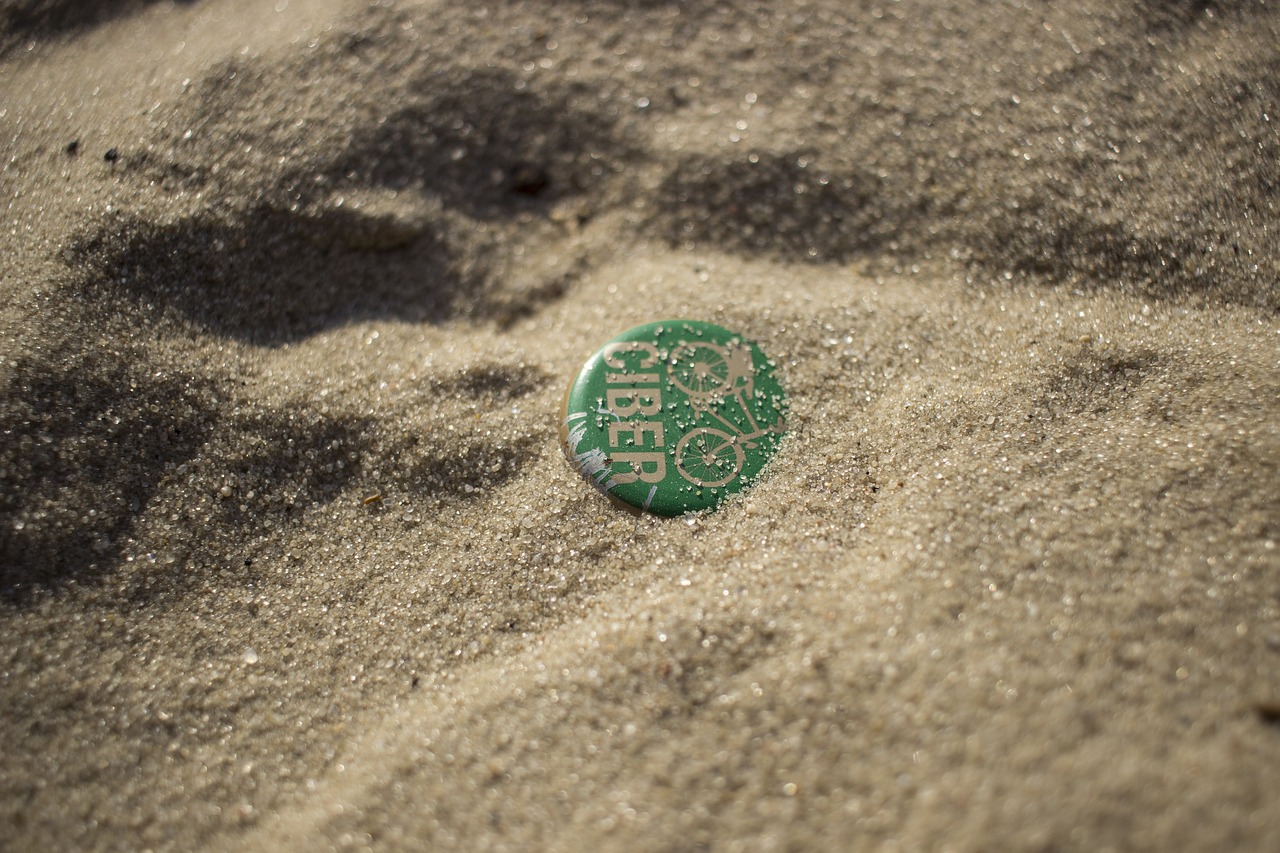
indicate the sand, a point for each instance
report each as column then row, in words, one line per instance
column 290, row 558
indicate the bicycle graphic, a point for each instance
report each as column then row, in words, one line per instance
column 711, row 375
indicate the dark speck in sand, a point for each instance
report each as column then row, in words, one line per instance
column 530, row 180
column 73, row 146
column 111, row 156
column 1268, row 712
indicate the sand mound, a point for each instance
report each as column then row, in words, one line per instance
column 289, row 556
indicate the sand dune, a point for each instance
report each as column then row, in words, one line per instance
column 290, row 557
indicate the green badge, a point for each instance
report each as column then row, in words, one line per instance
column 671, row 417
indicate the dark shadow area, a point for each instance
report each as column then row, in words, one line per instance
column 283, row 279
column 1094, row 383
column 282, row 462
column 1179, row 14
column 472, row 474
column 780, row 206
column 279, row 276
column 494, row 383
column 1043, row 238
column 1101, row 216
column 486, row 144
column 1247, row 107
column 471, row 145
column 272, row 466
column 86, row 440
column 90, row 437
column 1192, row 255
column 22, row 21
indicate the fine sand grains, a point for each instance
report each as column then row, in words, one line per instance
column 289, row 555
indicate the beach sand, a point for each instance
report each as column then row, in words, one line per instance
column 290, row 557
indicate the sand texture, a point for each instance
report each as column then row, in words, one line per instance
column 290, row 293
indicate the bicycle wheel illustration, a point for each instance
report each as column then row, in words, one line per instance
column 703, row 371
column 708, row 457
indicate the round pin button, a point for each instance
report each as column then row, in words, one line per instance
column 674, row 416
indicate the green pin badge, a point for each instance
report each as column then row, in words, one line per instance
column 674, row 416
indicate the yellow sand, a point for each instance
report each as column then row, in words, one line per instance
column 291, row 558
